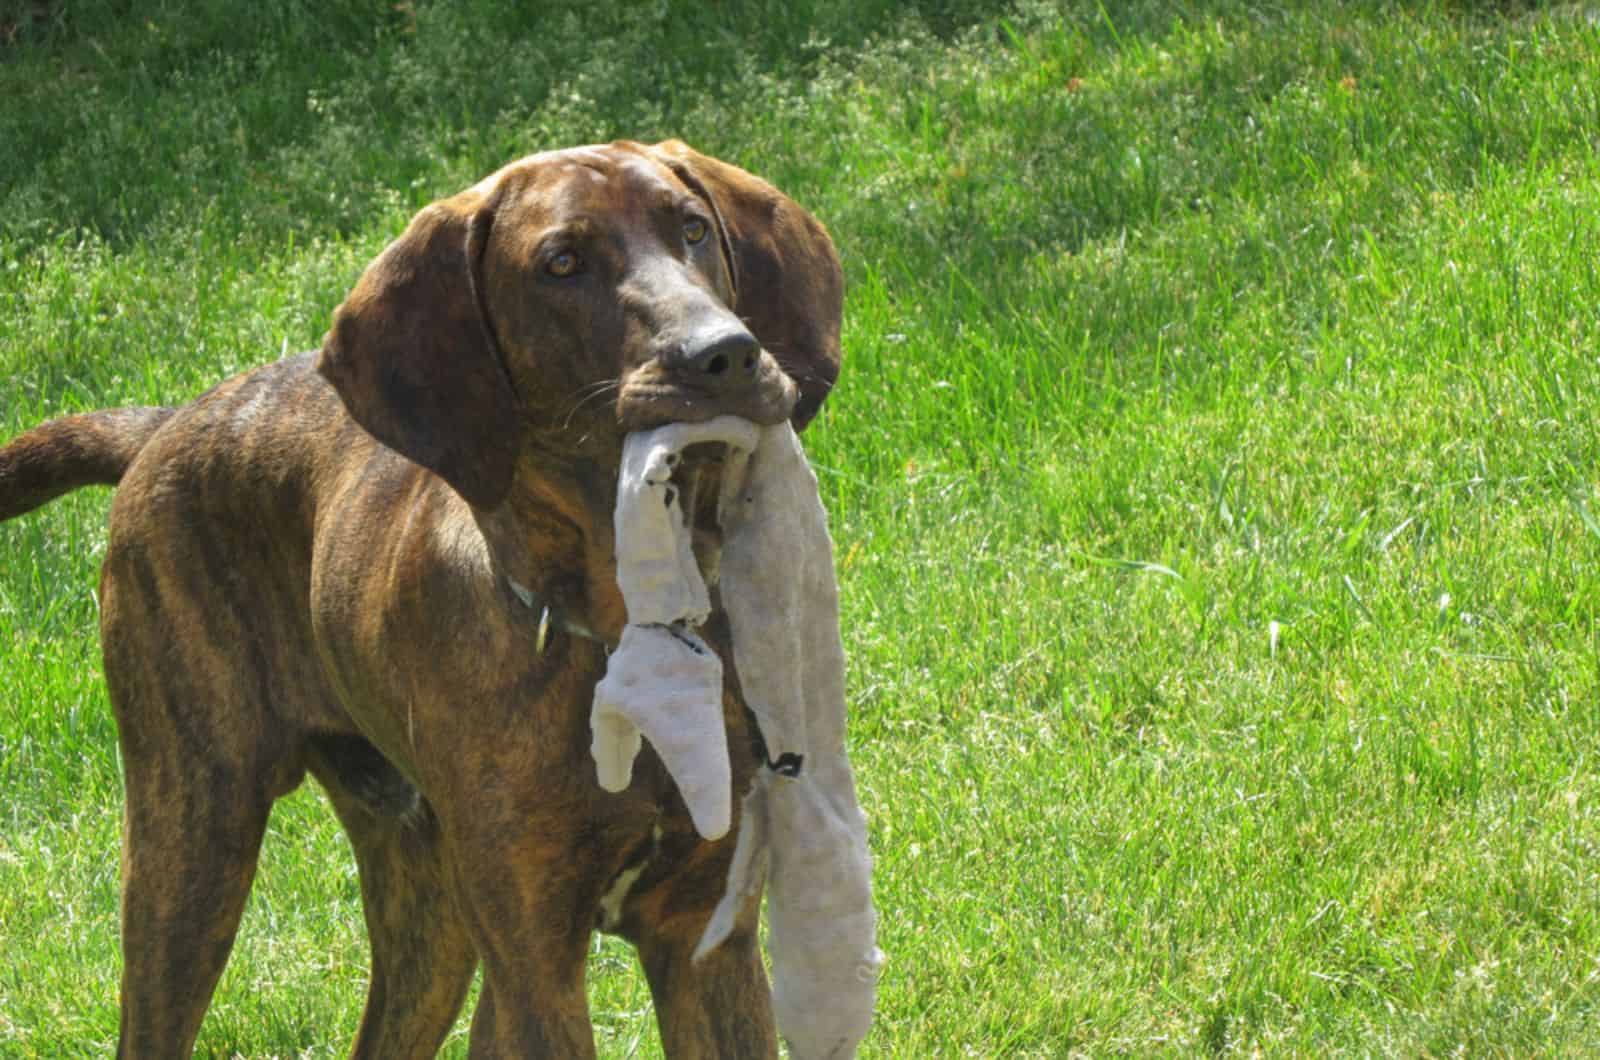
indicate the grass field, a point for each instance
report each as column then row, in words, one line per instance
column 1215, row 479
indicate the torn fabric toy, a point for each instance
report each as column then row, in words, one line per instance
column 801, row 825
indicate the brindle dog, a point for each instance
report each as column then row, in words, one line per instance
column 390, row 564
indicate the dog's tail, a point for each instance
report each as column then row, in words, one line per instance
column 91, row 449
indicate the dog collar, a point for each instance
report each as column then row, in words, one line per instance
column 547, row 616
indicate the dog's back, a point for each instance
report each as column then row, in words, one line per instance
column 242, row 424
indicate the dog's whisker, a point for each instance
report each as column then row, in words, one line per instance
column 599, row 384
column 595, row 391
column 589, row 390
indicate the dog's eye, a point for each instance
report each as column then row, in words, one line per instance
column 695, row 230
column 564, row 264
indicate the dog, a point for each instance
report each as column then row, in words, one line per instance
column 390, row 564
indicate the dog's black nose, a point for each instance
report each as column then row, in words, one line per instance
column 725, row 358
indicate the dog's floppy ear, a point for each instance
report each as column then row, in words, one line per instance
column 789, row 288
column 413, row 354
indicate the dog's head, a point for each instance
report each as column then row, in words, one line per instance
column 597, row 289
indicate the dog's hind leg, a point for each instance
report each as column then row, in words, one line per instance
column 202, row 765
column 189, row 856
column 422, row 956
column 192, row 829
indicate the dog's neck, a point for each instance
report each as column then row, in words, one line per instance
column 550, row 542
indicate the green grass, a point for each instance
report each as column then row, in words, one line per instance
column 1214, row 477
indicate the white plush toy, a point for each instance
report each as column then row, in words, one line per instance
column 801, row 821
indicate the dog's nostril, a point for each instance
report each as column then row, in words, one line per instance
column 718, row 358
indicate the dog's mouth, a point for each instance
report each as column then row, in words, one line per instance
column 698, row 478
column 654, row 395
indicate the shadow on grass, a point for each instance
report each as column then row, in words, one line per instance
column 291, row 117
column 1218, row 154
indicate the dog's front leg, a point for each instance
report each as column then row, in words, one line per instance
column 516, row 1018
column 522, row 890
column 720, row 1007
